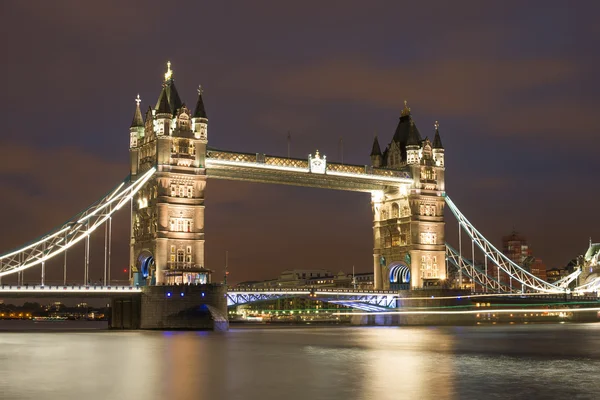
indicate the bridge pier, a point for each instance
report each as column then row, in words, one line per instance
column 125, row 312
column 186, row 307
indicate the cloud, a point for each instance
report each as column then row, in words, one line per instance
column 43, row 187
column 463, row 86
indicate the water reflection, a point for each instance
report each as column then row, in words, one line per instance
column 525, row 362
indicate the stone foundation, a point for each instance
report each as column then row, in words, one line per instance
column 193, row 307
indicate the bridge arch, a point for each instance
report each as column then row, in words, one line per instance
column 146, row 266
column 399, row 276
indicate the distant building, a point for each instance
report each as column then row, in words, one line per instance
column 555, row 274
column 538, row 268
column 314, row 278
column 515, row 247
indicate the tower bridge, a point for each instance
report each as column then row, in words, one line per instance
column 170, row 163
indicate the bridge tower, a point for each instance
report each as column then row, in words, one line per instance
column 167, row 215
column 408, row 221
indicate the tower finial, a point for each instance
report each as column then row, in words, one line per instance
column 138, row 100
column 169, row 73
column 437, row 125
column 200, row 90
column 406, row 110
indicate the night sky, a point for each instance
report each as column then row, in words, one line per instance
column 514, row 85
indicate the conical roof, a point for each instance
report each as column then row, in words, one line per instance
column 162, row 105
column 169, row 97
column 200, row 112
column 414, row 137
column 437, row 140
column 376, row 151
column 406, row 131
column 138, row 121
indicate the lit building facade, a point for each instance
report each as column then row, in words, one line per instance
column 167, row 229
column 408, row 221
column 515, row 247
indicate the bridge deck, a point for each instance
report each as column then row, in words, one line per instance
column 262, row 168
column 14, row 291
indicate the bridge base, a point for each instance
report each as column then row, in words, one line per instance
column 193, row 307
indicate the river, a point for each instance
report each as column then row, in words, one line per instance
column 558, row 361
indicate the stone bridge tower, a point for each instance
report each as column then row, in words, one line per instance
column 167, row 227
column 408, row 222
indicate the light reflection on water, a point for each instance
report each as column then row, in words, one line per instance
column 517, row 362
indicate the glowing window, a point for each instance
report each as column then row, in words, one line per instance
column 428, row 238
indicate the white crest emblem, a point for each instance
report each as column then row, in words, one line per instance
column 317, row 164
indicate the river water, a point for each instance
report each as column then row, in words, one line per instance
column 483, row 362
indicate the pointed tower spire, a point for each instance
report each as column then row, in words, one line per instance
column 376, row 156
column 136, row 130
column 376, row 150
column 414, row 138
column 169, row 97
column 137, row 116
column 200, row 112
column 162, row 106
column 437, row 140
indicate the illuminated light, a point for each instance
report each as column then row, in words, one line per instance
column 202, row 294
column 133, row 190
column 181, row 294
column 168, row 294
column 125, row 270
column 35, row 244
column 169, row 73
column 215, row 162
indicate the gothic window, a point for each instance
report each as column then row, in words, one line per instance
column 190, row 191
column 181, row 224
column 387, row 238
column 426, row 266
column 180, row 256
column 181, row 191
column 172, row 257
column 395, row 210
column 395, row 238
column 183, row 146
column 188, row 249
column 422, row 209
column 172, row 248
column 188, row 258
column 428, row 238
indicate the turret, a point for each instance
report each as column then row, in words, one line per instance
column 438, row 148
column 413, row 144
column 200, row 119
column 167, row 105
column 376, row 156
column 136, row 130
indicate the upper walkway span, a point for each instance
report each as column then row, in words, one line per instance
column 312, row 172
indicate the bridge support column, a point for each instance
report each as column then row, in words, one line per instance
column 125, row 313
column 194, row 307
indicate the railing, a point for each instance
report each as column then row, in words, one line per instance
column 302, row 165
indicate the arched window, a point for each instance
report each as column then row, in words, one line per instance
column 180, row 255
column 395, row 238
column 387, row 238
column 395, row 210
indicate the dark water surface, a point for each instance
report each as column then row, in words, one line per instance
column 485, row 362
